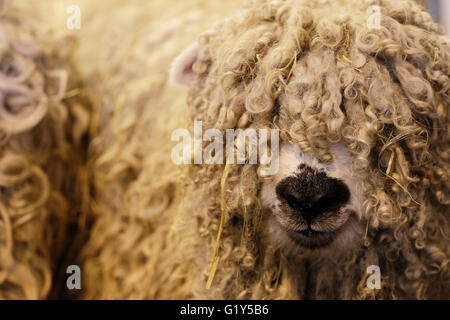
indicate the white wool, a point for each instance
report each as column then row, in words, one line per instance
column 340, row 168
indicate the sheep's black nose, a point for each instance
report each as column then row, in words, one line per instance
column 311, row 193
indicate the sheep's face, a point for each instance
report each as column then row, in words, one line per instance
column 363, row 131
column 313, row 202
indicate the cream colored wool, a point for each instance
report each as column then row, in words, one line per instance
column 310, row 68
column 314, row 70
column 132, row 251
column 43, row 123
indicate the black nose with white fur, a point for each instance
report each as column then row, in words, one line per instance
column 311, row 193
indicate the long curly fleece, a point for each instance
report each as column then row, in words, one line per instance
column 312, row 69
column 43, row 126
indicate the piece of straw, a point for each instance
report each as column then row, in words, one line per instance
column 214, row 259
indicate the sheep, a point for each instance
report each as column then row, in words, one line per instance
column 363, row 181
column 362, row 116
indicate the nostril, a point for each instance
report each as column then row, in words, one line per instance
column 293, row 201
column 311, row 196
column 336, row 194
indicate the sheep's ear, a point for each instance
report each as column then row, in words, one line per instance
column 181, row 69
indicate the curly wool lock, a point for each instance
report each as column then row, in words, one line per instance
column 315, row 71
column 43, row 122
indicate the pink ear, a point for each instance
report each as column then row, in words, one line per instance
column 181, row 69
